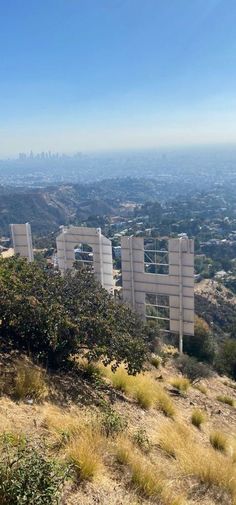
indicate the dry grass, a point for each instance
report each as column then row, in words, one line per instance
column 143, row 388
column 173, row 436
column 198, row 417
column 79, row 433
column 62, row 425
column 192, row 459
column 180, row 383
column 219, row 441
column 201, row 388
column 148, row 478
column 120, row 379
column 155, row 361
column 145, row 478
column 84, row 452
column 226, row 399
column 124, row 450
column 29, row 382
column 91, row 368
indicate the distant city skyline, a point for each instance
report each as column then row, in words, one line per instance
column 116, row 74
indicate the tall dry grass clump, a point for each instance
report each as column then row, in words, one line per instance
column 180, row 383
column 219, row 441
column 165, row 404
column 201, row 388
column 155, row 361
column 120, row 379
column 84, row 452
column 29, row 381
column 226, row 399
column 144, row 391
column 198, row 417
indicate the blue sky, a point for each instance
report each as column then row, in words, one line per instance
column 104, row 74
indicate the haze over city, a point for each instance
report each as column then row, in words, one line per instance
column 116, row 74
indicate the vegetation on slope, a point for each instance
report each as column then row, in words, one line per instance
column 115, row 450
column 56, row 318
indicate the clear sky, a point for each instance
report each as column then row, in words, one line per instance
column 103, row 74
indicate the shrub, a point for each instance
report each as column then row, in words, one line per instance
column 197, row 418
column 226, row 358
column 226, row 399
column 141, row 439
column 192, row 369
column 180, row 383
column 112, row 422
column 219, row 441
column 26, row 476
column 201, row 344
column 85, row 453
column 29, row 382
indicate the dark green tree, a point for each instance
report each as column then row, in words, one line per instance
column 54, row 317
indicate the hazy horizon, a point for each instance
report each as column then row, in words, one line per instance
column 116, row 74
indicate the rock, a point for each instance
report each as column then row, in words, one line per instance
column 30, row 401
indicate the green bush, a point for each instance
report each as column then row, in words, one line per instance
column 27, row 477
column 226, row 358
column 201, row 344
column 112, row 422
column 63, row 316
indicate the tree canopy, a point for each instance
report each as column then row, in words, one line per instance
column 53, row 317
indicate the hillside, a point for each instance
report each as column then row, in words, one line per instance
column 121, row 453
column 49, row 207
column 216, row 304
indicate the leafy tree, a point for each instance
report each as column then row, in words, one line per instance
column 201, row 345
column 54, row 317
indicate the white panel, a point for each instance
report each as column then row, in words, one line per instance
column 143, row 282
column 102, row 251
